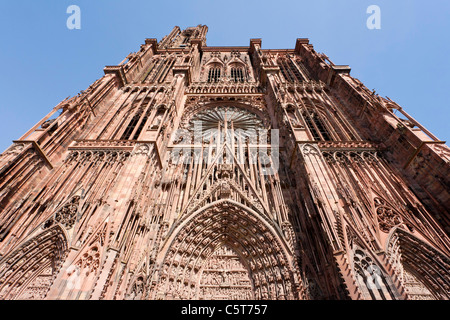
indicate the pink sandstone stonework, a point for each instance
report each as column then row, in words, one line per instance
column 196, row 172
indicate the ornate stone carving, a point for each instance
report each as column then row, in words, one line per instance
column 349, row 145
column 15, row 149
column 442, row 150
column 371, row 279
column 137, row 289
column 144, row 149
column 309, row 149
column 103, row 144
column 224, row 277
column 388, row 217
column 37, row 290
column 89, row 261
column 221, row 230
column 67, row 215
column 29, row 271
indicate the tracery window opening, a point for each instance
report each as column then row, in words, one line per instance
column 311, row 127
column 289, row 70
column 341, row 117
column 167, row 67
column 125, row 118
column 237, row 121
column 131, row 125
column 302, row 69
column 404, row 143
column 214, row 74
column 138, row 122
column 284, row 72
column 342, row 127
column 152, row 67
column 316, row 125
column 157, row 71
column 143, row 121
column 371, row 279
column 314, row 116
column 142, row 108
column 237, row 75
column 295, row 71
column 87, row 211
column 122, row 230
column 128, row 238
column 162, row 72
column 321, row 118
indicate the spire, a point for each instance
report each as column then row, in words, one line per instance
column 182, row 38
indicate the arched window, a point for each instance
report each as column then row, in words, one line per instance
column 28, row 272
column 141, row 125
column 131, row 125
column 316, row 125
column 372, row 281
column 186, row 39
column 237, row 74
column 135, row 120
column 289, row 71
column 244, row 123
column 214, row 74
column 186, row 36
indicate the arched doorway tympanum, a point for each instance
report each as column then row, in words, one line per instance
column 225, row 251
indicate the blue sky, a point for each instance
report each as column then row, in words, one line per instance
column 44, row 62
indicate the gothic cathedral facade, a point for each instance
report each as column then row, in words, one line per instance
column 195, row 172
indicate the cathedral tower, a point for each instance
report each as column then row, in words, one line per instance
column 196, row 172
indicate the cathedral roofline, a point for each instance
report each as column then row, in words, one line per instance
column 223, row 49
column 231, row 48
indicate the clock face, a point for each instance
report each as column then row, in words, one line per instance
column 237, row 122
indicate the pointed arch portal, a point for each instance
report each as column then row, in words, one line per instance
column 28, row 272
column 226, row 251
column 424, row 264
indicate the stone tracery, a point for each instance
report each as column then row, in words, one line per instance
column 232, row 118
column 372, row 280
column 387, row 216
column 220, row 227
column 68, row 213
column 29, row 271
column 406, row 253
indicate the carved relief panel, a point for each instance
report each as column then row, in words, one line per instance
column 225, row 277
